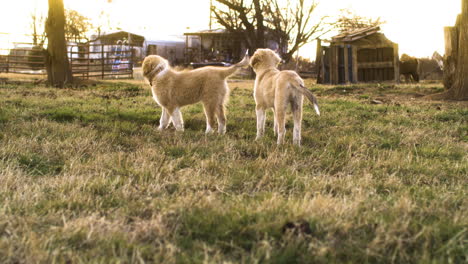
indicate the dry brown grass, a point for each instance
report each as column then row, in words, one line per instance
column 85, row 177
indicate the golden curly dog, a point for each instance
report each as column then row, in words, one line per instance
column 278, row 89
column 173, row 89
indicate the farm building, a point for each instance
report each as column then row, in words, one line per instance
column 363, row 55
column 169, row 47
column 213, row 45
column 118, row 43
column 115, row 37
column 219, row 45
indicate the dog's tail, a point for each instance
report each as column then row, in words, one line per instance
column 232, row 69
column 303, row 90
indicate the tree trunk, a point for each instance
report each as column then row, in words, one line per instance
column 456, row 59
column 318, row 61
column 459, row 88
column 451, row 50
column 57, row 65
column 260, row 34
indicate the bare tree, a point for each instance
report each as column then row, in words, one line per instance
column 37, row 27
column 293, row 24
column 349, row 21
column 289, row 24
column 57, row 65
column 239, row 17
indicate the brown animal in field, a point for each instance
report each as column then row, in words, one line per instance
column 278, row 89
column 409, row 68
column 174, row 89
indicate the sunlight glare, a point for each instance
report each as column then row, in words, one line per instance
column 416, row 25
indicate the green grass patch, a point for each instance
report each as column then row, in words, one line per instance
column 38, row 165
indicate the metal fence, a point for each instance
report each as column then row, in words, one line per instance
column 86, row 60
column 23, row 58
column 101, row 61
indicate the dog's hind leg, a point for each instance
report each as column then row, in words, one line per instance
column 275, row 124
column 261, row 116
column 210, row 111
column 281, row 106
column 296, row 107
column 165, row 119
column 177, row 119
column 281, row 123
column 221, row 119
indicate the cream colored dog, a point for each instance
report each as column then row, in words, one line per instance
column 173, row 89
column 278, row 89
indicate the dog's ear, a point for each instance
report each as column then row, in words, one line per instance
column 148, row 65
column 254, row 60
column 276, row 58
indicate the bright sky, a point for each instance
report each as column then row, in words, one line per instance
column 416, row 25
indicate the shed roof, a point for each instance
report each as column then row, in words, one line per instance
column 370, row 36
column 209, row 32
column 355, row 34
column 110, row 38
column 155, row 39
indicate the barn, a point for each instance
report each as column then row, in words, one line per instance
column 169, row 47
column 363, row 55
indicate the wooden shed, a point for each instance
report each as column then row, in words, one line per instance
column 363, row 55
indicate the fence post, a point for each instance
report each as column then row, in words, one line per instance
column 71, row 58
column 88, row 51
column 131, row 61
column 102, row 61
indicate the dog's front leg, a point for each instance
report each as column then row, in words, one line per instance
column 261, row 116
column 165, row 118
column 177, row 119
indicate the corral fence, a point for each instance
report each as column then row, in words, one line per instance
column 87, row 60
column 101, row 61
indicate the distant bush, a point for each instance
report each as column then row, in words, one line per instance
column 36, row 58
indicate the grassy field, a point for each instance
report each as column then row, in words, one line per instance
column 85, row 177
